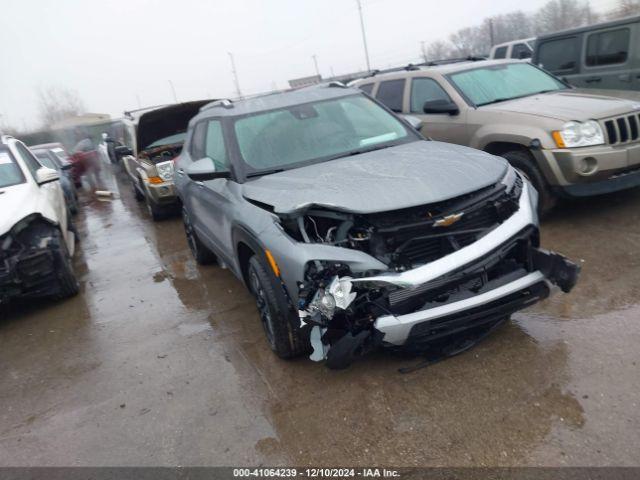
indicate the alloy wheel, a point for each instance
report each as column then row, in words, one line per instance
column 263, row 306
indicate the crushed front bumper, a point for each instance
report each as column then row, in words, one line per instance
column 495, row 301
column 32, row 274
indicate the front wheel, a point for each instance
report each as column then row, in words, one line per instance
column 285, row 338
column 155, row 211
column 200, row 252
column 524, row 162
column 64, row 268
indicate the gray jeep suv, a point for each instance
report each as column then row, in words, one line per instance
column 352, row 230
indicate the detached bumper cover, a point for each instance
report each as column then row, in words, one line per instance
column 495, row 301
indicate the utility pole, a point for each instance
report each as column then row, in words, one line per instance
column 235, row 75
column 173, row 90
column 424, row 51
column 364, row 36
column 138, row 100
column 315, row 62
column 491, row 31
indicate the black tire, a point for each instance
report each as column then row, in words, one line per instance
column 200, row 252
column 137, row 193
column 64, row 268
column 155, row 211
column 280, row 324
column 525, row 163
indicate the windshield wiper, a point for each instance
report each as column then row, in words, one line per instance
column 504, row 99
column 358, row 151
column 265, row 172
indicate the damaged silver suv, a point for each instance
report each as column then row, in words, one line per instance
column 353, row 231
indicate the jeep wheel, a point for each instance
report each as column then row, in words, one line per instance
column 524, row 163
column 202, row 254
column 136, row 193
column 285, row 338
column 155, row 211
column 64, row 269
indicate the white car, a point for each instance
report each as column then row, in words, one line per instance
column 36, row 241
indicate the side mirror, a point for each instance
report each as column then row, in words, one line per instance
column 415, row 122
column 441, row 107
column 67, row 165
column 204, row 169
column 46, row 175
column 123, row 150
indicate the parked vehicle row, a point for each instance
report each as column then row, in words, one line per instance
column 37, row 241
column 567, row 142
column 352, row 230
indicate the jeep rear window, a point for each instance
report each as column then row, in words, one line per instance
column 499, row 83
column 10, row 173
column 317, row 131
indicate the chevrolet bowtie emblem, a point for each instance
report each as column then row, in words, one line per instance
column 448, row 220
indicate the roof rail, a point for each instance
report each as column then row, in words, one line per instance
column 446, row 61
column 224, row 103
column 336, row 84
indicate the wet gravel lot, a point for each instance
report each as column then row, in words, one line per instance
column 161, row 362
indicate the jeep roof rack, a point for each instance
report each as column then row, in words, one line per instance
column 430, row 63
column 224, row 103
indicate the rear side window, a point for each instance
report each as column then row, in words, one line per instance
column 501, row 52
column 196, row 148
column 46, row 160
column 29, row 160
column 214, row 146
column 367, row 87
column 520, row 50
column 390, row 93
column 560, row 55
column 606, row 48
column 426, row 90
column 10, row 173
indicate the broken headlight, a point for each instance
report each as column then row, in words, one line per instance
column 165, row 170
column 336, row 295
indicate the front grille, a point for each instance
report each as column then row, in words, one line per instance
column 512, row 258
column 411, row 238
column 623, row 129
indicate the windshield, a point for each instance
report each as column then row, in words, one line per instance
column 498, row 83
column 317, row 131
column 10, row 173
column 171, row 139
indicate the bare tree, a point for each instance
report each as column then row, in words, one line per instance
column 471, row 41
column 625, row 8
column 57, row 103
column 558, row 15
column 439, row 50
column 511, row 26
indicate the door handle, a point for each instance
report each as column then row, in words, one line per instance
column 593, row 80
column 180, row 171
column 200, row 184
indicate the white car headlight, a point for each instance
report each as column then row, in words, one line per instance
column 165, row 170
column 579, row 134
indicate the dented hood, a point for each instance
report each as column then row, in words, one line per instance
column 19, row 201
column 398, row 177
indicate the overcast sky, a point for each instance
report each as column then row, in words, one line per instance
column 116, row 52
